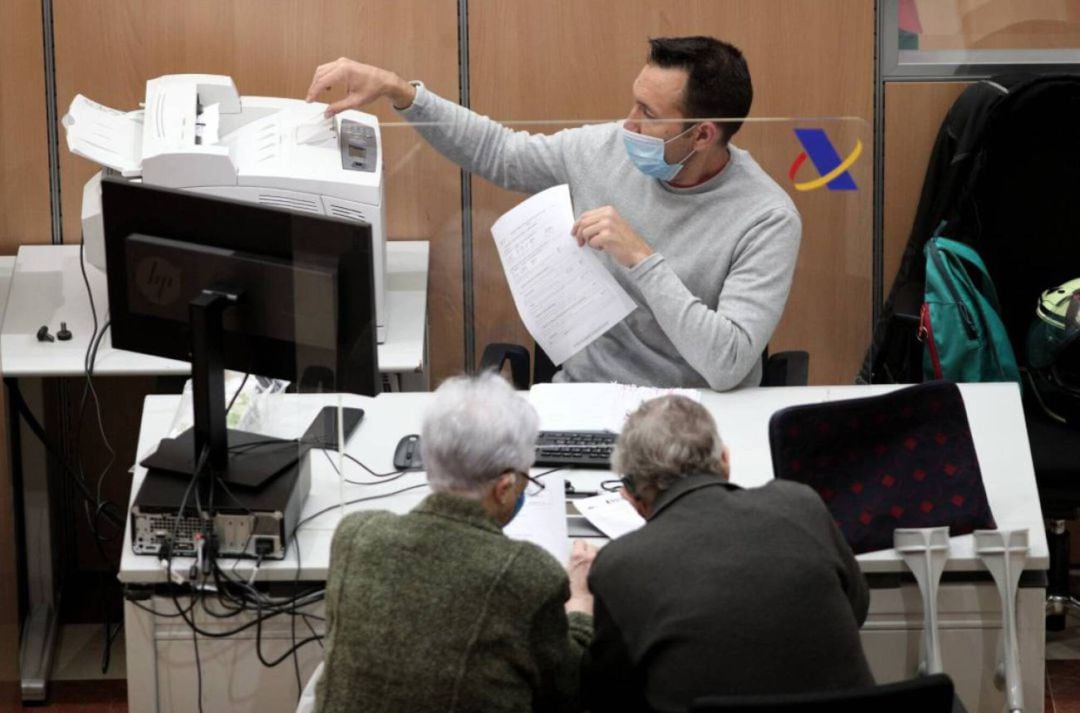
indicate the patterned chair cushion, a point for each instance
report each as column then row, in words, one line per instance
column 903, row 459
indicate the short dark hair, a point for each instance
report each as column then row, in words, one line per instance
column 718, row 80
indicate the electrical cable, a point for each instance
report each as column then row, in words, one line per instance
column 101, row 505
column 236, row 596
column 198, row 665
column 237, row 393
column 52, row 450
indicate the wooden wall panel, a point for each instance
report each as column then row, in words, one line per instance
column 24, row 218
column 913, row 114
column 24, row 157
column 107, row 50
column 576, row 60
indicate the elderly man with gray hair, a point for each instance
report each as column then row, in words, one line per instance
column 437, row 610
column 724, row 590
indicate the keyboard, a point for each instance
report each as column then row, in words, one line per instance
column 575, row 449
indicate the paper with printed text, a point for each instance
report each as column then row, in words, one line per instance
column 565, row 296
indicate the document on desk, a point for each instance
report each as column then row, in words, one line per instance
column 542, row 520
column 593, row 407
column 565, row 296
column 610, row 513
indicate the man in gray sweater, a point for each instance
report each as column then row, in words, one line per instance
column 702, row 239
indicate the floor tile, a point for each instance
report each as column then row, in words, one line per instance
column 100, row 696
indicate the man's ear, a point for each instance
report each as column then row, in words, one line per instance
column 637, row 503
column 725, row 462
column 504, row 486
column 709, row 133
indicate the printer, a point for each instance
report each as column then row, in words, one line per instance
column 196, row 133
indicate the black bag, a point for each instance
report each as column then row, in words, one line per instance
column 1005, row 175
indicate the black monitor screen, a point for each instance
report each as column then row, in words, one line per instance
column 306, row 307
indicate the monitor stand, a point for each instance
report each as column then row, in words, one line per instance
column 235, row 457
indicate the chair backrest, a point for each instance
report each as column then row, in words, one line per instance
column 901, row 459
column 929, row 694
column 789, row 368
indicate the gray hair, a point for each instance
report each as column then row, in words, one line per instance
column 665, row 440
column 476, row 429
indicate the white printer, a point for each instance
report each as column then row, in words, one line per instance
column 196, row 133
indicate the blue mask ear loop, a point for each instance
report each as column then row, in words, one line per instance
column 692, row 151
column 518, row 504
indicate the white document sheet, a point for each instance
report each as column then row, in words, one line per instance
column 593, row 407
column 565, row 296
column 610, row 513
column 542, row 520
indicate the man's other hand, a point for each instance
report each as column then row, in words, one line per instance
column 363, row 84
column 604, row 229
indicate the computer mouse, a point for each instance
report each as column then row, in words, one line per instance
column 407, row 454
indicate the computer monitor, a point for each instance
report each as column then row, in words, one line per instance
column 224, row 284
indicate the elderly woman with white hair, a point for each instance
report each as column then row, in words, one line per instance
column 437, row 610
column 724, row 590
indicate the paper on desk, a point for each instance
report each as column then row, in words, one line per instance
column 105, row 136
column 542, row 521
column 593, row 407
column 565, row 296
column 610, row 513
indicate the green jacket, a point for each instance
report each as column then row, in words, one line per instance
column 437, row 610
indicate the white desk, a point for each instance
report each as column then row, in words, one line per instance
column 160, row 657
column 45, row 286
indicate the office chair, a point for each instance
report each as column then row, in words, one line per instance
column 1054, row 449
column 789, row 368
column 929, row 694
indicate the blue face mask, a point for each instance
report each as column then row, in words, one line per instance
column 518, row 504
column 647, row 153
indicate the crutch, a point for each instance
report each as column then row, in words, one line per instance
column 1004, row 553
column 924, row 551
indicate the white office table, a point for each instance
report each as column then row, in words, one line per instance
column 45, row 286
column 161, row 673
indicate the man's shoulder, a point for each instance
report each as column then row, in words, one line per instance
column 767, row 195
column 590, row 142
column 786, row 493
column 787, row 490
column 356, row 521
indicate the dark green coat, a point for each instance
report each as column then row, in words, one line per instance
column 437, row 610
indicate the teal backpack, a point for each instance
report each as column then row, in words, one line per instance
column 964, row 337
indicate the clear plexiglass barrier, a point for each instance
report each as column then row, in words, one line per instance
column 302, row 336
